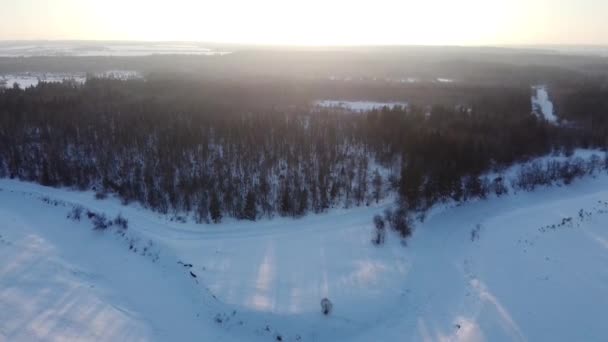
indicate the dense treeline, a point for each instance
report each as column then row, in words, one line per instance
column 447, row 150
column 175, row 149
column 470, row 64
column 173, row 152
column 586, row 107
column 537, row 173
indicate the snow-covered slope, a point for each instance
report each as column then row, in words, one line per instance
column 60, row 280
column 523, row 267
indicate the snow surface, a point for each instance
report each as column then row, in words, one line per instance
column 31, row 79
column 358, row 106
column 522, row 267
column 542, row 105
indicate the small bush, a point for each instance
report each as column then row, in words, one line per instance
column 121, row 222
column 475, row 232
column 179, row 219
column 388, row 215
column 401, row 222
column 379, row 222
column 101, row 195
column 76, row 213
column 100, row 222
column 91, row 214
column 379, row 231
column 379, row 237
column 326, row 306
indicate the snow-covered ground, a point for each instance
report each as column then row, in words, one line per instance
column 31, row 79
column 358, row 106
column 522, row 267
column 542, row 105
column 91, row 48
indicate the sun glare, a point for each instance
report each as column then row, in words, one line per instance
column 313, row 22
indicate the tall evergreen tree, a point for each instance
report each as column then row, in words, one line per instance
column 250, row 211
column 410, row 184
column 214, row 208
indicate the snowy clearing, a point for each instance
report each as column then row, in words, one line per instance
column 522, row 267
column 31, row 79
column 542, row 105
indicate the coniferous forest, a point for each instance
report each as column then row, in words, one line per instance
column 217, row 148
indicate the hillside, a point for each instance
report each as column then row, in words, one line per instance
column 525, row 266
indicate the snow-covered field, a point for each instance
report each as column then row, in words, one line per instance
column 522, row 267
column 358, row 106
column 93, row 48
column 31, row 79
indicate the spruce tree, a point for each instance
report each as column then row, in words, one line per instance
column 214, row 208
column 250, row 211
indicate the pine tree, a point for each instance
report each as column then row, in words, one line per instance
column 214, row 208
column 286, row 202
column 202, row 210
column 303, row 208
column 45, row 177
column 250, row 211
column 377, row 184
column 410, row 184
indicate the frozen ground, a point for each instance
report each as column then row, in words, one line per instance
column 542, row 105
column 522, row 267
column 358, row 106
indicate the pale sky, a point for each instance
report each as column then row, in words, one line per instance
column 311, row 22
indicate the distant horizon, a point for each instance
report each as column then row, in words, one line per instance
column 125, row 41
column 312, row 23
